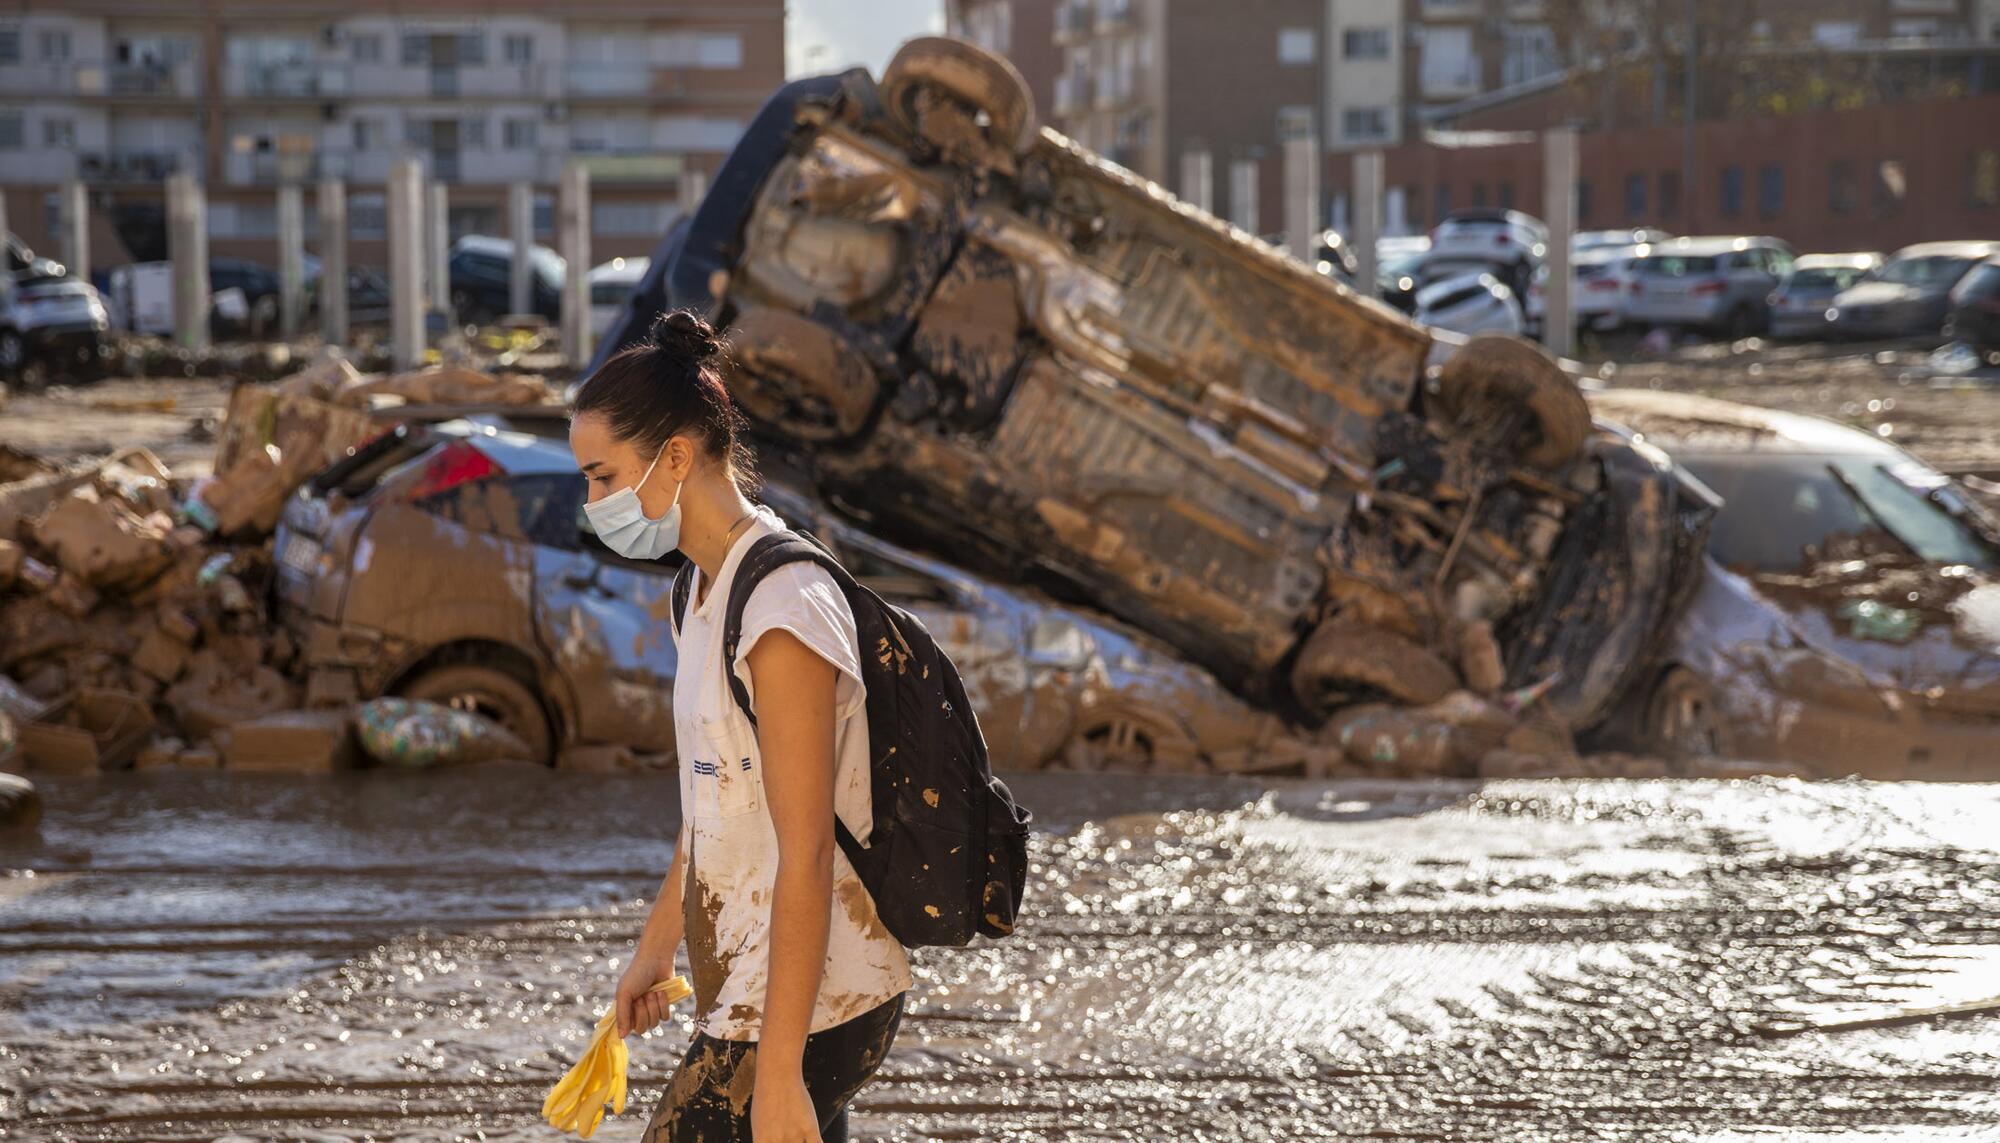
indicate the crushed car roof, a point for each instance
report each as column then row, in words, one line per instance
column 1687, row 423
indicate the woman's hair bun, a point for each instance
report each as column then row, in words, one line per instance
column 687, row 332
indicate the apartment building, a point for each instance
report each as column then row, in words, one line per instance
column 1021, row 30
column 258, row 93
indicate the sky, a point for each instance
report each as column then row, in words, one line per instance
column 831, row 35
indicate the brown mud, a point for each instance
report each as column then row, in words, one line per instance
column 419, row 956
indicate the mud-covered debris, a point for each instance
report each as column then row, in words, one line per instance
column 104, row 542
column 91, row 730
column 415, row 734
column 20, row 803
column 216, row 695
column 456, row 385
column 294, row 741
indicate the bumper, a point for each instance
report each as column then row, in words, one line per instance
column 1692, row 311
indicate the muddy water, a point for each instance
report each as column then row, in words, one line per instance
column 408, row 956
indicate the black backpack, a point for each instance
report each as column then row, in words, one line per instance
column 948, row 858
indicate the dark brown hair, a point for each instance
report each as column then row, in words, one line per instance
column 667, row 384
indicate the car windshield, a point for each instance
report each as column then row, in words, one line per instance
column 1825, row 278
column 1675, row 265
column 548, row 264
column 1402, row 266
column 1780, row 510
column 1934, row 271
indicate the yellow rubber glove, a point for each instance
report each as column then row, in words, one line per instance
column 577, row 1101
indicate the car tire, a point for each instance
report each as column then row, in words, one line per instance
column 1123, row 741
column 1488, row 385
column 1342, row 662
column 465, row 310
column 492, row 693
column 1742, row 323
column 970, row 74
column 1680, row 720
column 13, row 353
column 793, row 372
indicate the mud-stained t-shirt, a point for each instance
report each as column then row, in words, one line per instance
column 731, row 841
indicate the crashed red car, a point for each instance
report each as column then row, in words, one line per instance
column 980, row 338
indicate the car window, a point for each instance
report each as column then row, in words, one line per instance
column 484, row 269
column 1938, row 270
column 1779, row 512
column 1981, row 282
column 1781, row 260
column 515, row 507
column 1675, row 265
column 1825, row 278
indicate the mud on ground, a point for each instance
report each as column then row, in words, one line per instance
column 419, row 956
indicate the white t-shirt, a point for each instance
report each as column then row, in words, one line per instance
column 732, row 842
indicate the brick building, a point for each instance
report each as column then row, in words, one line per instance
column 254, row 93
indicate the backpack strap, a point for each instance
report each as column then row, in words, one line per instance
column 764, row 557
column 683, row 587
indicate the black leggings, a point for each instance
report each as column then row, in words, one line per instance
column 708, row 1100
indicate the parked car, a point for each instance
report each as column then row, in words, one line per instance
column 454, row 562
column 1399, row 266
column 1601, row 278
column 1718, row 284
column 1975, row 307
column 262, row 291
column 1469, row 304
column 1910, row 294
column 611, row 284
column 1847, row 620
column 1800, row 303
column 1507, row 242
column 1335, row 257
column 998, row 347
column 1588, row 240
column 25, row 266
column 481, row 270
column 58, row 323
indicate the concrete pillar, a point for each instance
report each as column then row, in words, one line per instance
column 1367, row 217
column 1302, row 217
column 291, row 261
column 332, row 201
column 1559, row 212
column 437, row 246
column 187, row 249
column 694, row 188
column 1198, row 179
column 573, row 229
column 1243, row 195
column 521, row 228
column 76, row 229
column 406, row 263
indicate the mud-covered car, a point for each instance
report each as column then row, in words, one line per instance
column 980, row 338
column 454, row 563
column 1849, row 620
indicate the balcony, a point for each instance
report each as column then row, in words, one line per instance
column 275, row 168
column 96, row 79
column 1070, row 92
column 1074, row 19
column 1114, row 16
column 129, row 167
column 630, row 166
column 293, row 80
column 1115, row 89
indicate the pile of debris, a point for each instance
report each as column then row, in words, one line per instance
column 135, row 624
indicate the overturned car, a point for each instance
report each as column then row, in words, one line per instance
column 980, row 338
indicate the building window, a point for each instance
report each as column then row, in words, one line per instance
column 1841, row 194
column 628, row 219
column 472, row 48
column 1635, row 196
column 1362, row 124
column 518, row 134
column 1583, row 203
column 1732, row 191
column 721, row 51
column 1365, row 43
column 416, row 49
column 55, row 45
column 57, row 132
column 367, row 134
column 472, row 131
column 1670, row 195
column 1295, row 121
column 1982, row 178
column 365, row 49
column 1891, row 187
column 367, row 216
column 1450, row 65
column 417, row 133
column 1243, row 194
column 10, row 131
column 1530, row 54
column 1297, row 46
column 1770, row 190
column 1443, row 196
column 10, row 45
column 518, row 49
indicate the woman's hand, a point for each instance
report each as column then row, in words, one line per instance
column 638, row 1010
column 781, row 1109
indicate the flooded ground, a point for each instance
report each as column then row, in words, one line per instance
column 418, row 956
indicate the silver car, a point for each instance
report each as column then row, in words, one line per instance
column 1720, row 284
column 1800, row 303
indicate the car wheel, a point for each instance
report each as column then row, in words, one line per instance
column 987, row 85
column 1681, row 719
column 490, row 693
column 13, row 352
column 1742, row 323
column 1127, row 742
column 794, row 372
column 466, row 310
column 1346, row 662
column 1514, row 396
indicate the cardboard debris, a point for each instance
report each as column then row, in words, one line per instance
column 104, row 543
column 294, row 741
column 88, row 731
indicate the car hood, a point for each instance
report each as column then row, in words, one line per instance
column 1878, row 294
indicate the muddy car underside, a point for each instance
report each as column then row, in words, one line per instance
column 985, row 339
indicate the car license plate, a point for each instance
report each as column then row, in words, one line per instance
column 301, row 554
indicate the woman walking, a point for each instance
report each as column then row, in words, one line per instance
column 798, row 986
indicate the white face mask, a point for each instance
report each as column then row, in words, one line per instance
column 620, row 521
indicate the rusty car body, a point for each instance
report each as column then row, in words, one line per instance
column 454, row 562
column 1849, row 620
column 978, row 337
